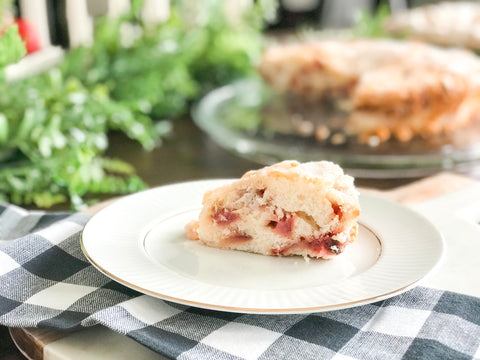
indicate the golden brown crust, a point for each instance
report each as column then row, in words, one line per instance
column 446, row 23
column 415, row 89
column 305, row 69
column 308, row 209
column 391, row 88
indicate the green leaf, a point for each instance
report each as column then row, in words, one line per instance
column 372, row 25
column 12, row 48
column 54, row 126
column 3, row 129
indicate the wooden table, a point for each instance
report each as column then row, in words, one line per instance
column 189, row 154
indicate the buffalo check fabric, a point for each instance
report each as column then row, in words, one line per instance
column 46, row 282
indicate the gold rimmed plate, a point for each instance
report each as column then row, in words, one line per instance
column 139, row 241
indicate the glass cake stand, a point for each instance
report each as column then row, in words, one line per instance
column 248, row 119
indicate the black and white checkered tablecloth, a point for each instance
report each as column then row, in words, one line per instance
column 45, row 281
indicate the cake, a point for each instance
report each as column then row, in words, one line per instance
column 387, row 88
column 290, row 208
column 446, row 23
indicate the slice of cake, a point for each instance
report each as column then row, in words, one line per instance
column 289, row 208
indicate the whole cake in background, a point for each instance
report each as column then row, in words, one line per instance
column 386, row 88
column 448, row 23
column 289, row 208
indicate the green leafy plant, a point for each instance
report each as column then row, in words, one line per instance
column 12, row 47
column 51, row 133
column 54, row 126
column 370, row 24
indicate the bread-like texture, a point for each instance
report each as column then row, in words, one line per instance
column 390, row 88
column 447, row 23
column 308, row 209
column 317, row 69
column 402, row 102
column 322, row 68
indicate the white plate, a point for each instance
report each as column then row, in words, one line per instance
column 139, row 241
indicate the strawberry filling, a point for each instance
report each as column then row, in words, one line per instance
column 322, row 246
column 283, row 226
column 224, row 216
column 238, row 238
column 337, row 209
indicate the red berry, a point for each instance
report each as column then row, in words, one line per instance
column 29, row 33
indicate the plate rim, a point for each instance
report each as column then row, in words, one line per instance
column 263, row 310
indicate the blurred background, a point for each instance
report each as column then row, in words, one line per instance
column 87, row 83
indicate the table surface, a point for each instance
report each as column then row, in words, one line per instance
column 187, row 154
